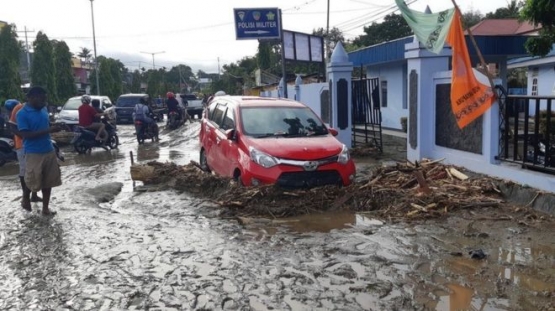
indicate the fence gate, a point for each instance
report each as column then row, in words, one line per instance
column 367, row 116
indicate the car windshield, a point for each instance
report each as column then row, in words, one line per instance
column 72, row 104
column 127, row 101
column 281, row 122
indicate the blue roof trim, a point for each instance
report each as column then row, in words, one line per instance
column 393, row 51
column 381, row 53
column 528, row 58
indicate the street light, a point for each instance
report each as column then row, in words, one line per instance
column 153, row 53
column 95, row 59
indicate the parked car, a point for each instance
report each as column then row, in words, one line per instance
column 258, row 140
column 69, row 113
column 194, row 105
column 125, row 106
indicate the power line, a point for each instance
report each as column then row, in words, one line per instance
column 368, row 18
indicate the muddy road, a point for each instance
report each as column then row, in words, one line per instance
column 112, row 248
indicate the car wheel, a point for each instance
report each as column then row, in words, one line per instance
column 204, row 161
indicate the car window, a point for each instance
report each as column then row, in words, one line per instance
column 229, row 120
column 72, row 104
column 211, row 109
column 293, row 121
column 127, row 101
column 218, row 114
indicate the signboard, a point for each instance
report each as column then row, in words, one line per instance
column 303, row 47
column 257, row 23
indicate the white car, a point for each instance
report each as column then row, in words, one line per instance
column 69, row 113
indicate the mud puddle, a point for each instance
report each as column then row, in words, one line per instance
column 170, row 251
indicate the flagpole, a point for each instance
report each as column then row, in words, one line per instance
column 480, row 56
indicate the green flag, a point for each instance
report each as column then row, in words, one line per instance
column 430, row 29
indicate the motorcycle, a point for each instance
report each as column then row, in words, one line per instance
column 84, row 140
column 143, row 131
column 8, row 154
column 174, row 120
column 545, row 155
column 158, row 115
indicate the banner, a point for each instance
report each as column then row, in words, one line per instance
column 430, row 29
column 469, row 98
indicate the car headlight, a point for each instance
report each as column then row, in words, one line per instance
column 344, row 155
column 262, row 159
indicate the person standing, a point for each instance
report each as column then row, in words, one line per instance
column 13, row 106
column 42, row 171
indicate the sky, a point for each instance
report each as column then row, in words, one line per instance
column 198, row 33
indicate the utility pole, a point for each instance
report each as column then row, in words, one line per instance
column 94, row 44
column 153, row 53
column 28, row 54
column 218, row 67
column 328, row 33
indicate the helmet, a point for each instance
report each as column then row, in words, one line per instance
column 170, row 95
column 10, row 104
column 86, row 99
column 220, row 93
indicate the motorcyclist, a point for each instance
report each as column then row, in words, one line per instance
column 143, row 113
column 173, row 104
column 87, row 115
column 96, row 105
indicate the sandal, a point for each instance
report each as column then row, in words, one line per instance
column 49, row 214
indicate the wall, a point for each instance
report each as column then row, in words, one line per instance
column 310, row 95
column 395, row 75
column 545, row 85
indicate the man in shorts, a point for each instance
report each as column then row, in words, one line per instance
column 18, row 145
column 42, row 171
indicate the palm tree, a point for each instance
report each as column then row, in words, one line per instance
column 512, row 10
column 85, row 54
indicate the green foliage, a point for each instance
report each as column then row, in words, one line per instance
column 471, row 18
column 43, row 72
column 543, row 124
column 136, row 80
column 511, row 11
column 393, row 27
column 10, row 49
column 65, row 84
column 540, row 12
column 110, row 76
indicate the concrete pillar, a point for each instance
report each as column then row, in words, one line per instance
column 281, row 87
column 339, row 77
column 298, row 82
column 421, row 66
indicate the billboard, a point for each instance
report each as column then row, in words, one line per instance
column 257, row 23
column 303, row 47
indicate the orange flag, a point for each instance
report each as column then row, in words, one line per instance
column 469, row 98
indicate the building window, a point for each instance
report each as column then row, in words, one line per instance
column 384, row 93
column 534, row 87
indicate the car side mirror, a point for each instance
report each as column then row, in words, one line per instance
column 231, row 134
column 333, row 131
column 58, row 108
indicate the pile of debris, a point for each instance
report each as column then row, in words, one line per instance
column 408, row 190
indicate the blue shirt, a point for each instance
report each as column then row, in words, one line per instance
column 30, row 119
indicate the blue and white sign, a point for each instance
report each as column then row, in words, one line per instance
column 258, row 23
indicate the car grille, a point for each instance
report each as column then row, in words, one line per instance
column 309, row 179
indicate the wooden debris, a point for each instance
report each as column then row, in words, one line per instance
column 417, row 190
column 457, row 174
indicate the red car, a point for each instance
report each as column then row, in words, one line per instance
column 257, row 140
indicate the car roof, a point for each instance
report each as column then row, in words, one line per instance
column 92, row 96
column 258, row 101
column 134, row 95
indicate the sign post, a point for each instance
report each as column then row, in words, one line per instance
column 257, row 23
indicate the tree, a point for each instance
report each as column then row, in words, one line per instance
column 511, row 11
column 65, row 85
column 110, row 76
column 10, row 81
column 471, row 18
column 85, row 55
column 136, row 82
column 393, row 27
column 540, row 12
column 43, row 72
column 335, row 35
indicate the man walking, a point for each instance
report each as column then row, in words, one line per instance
column 42, row 171
column 13, row 106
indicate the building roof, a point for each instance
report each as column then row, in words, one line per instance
column 503, row 27
column 532, row 60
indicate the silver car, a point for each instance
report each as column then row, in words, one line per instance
column 69, row 113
